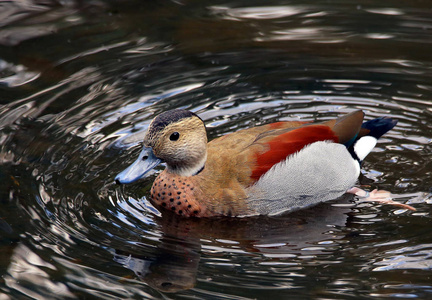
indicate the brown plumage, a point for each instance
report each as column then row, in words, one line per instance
column 228, row 176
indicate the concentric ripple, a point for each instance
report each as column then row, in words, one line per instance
column 77, row 97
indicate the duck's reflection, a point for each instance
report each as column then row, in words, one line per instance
column 175, row 263
column 173, row 268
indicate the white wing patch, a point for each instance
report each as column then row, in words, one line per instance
column 364, row 146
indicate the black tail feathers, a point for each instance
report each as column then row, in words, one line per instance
column 379, row 126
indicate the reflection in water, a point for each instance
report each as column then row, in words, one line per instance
column 259, row 13
column 79, row 83
column 15, row 75
column 418, row 257
column 174, row 264
column 29, row 275
column 173, row 267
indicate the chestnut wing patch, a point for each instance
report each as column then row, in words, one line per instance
column 282, row 146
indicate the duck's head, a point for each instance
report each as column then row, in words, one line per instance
column 176, row 137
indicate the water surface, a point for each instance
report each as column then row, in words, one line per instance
column 80, row 82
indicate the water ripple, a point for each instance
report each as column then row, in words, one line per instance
column 77, row 97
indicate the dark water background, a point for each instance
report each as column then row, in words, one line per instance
column 81, row 80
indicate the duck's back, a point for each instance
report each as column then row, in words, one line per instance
column 282, row 166
column 236, row 153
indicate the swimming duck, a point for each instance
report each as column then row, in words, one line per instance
column 264, row 170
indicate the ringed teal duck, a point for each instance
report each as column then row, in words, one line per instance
column 264, row 170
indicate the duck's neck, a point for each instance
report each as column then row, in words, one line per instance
column 188, row 170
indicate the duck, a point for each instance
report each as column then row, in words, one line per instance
column 264, row 170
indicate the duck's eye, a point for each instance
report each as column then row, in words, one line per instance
column 174, row 136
